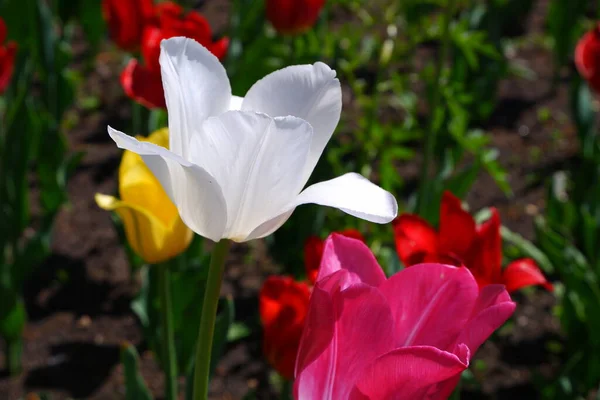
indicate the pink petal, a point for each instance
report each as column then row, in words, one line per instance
column 344, row 332
column 409, row 373
column 352, row 255
column 431, row 304
column 524, row 272
column 492, row 309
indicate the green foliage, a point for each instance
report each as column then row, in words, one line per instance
column 568, row 235
column 135, row 387
column 563, row 17
column 33, row 151
column 187, row 281
column 385, row 127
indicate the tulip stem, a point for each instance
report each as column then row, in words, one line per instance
column 207, row 320
column 168, row 340
column 425, row 187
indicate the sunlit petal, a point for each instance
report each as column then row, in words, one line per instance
column 310, row 92
column 256, row 160
column 194, row 191
column 355, row 195
column 196, row 87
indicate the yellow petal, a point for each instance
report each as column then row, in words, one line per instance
column 138, row 186
column 159, row 137
column 148, row 236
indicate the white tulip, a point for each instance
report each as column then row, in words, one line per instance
column 237, row 166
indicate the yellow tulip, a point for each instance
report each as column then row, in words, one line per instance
column 153, row 226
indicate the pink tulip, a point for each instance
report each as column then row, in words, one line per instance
column 407, row 337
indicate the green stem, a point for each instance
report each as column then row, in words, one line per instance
column 168, row 342
column 430, row 137
column 286, row 390
column 207, row 321
column 14, row 351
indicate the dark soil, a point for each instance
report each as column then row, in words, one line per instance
column 78, row 301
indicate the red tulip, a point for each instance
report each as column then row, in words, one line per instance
column 460, row 241
column 406, row 337
column 126, row 20
column 313, row 252
column 283, row 308
column 293, row 16
column 142, row 82
column 587, row 58
column 8, row 53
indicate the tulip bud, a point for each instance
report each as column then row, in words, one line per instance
column 7, row 58
column 587, row 58
column 292, row 17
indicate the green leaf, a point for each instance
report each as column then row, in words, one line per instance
column 12, row 315
column 135, row 387
column 563, row 16
column 237, row 331
column 90, row 18
column 461, row 182
column 527, row 248
column 584, row 114
column 29, row 257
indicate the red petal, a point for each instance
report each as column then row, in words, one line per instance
column 352, row 233
column 524, row 272
column 197, row 28
column 2, row 31
column 220, row 48
column 283, row 305
column 126, row 20
column 151, row 47
column 409, row 373
column 415, row 239
column 448, row 259
column 457, row 227
column 7, row 64
column 143, row 85
column 293, row 16
column 485, row 259
column 313, row 252
column 167, row 11
column 587, row 57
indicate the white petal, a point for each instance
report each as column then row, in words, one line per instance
column 257, row 161
column 192, row 189
column 364, row 200
column 310, row 92
column 196, row 87
column 266, row 228
column 355, row 195
column 236, row 103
